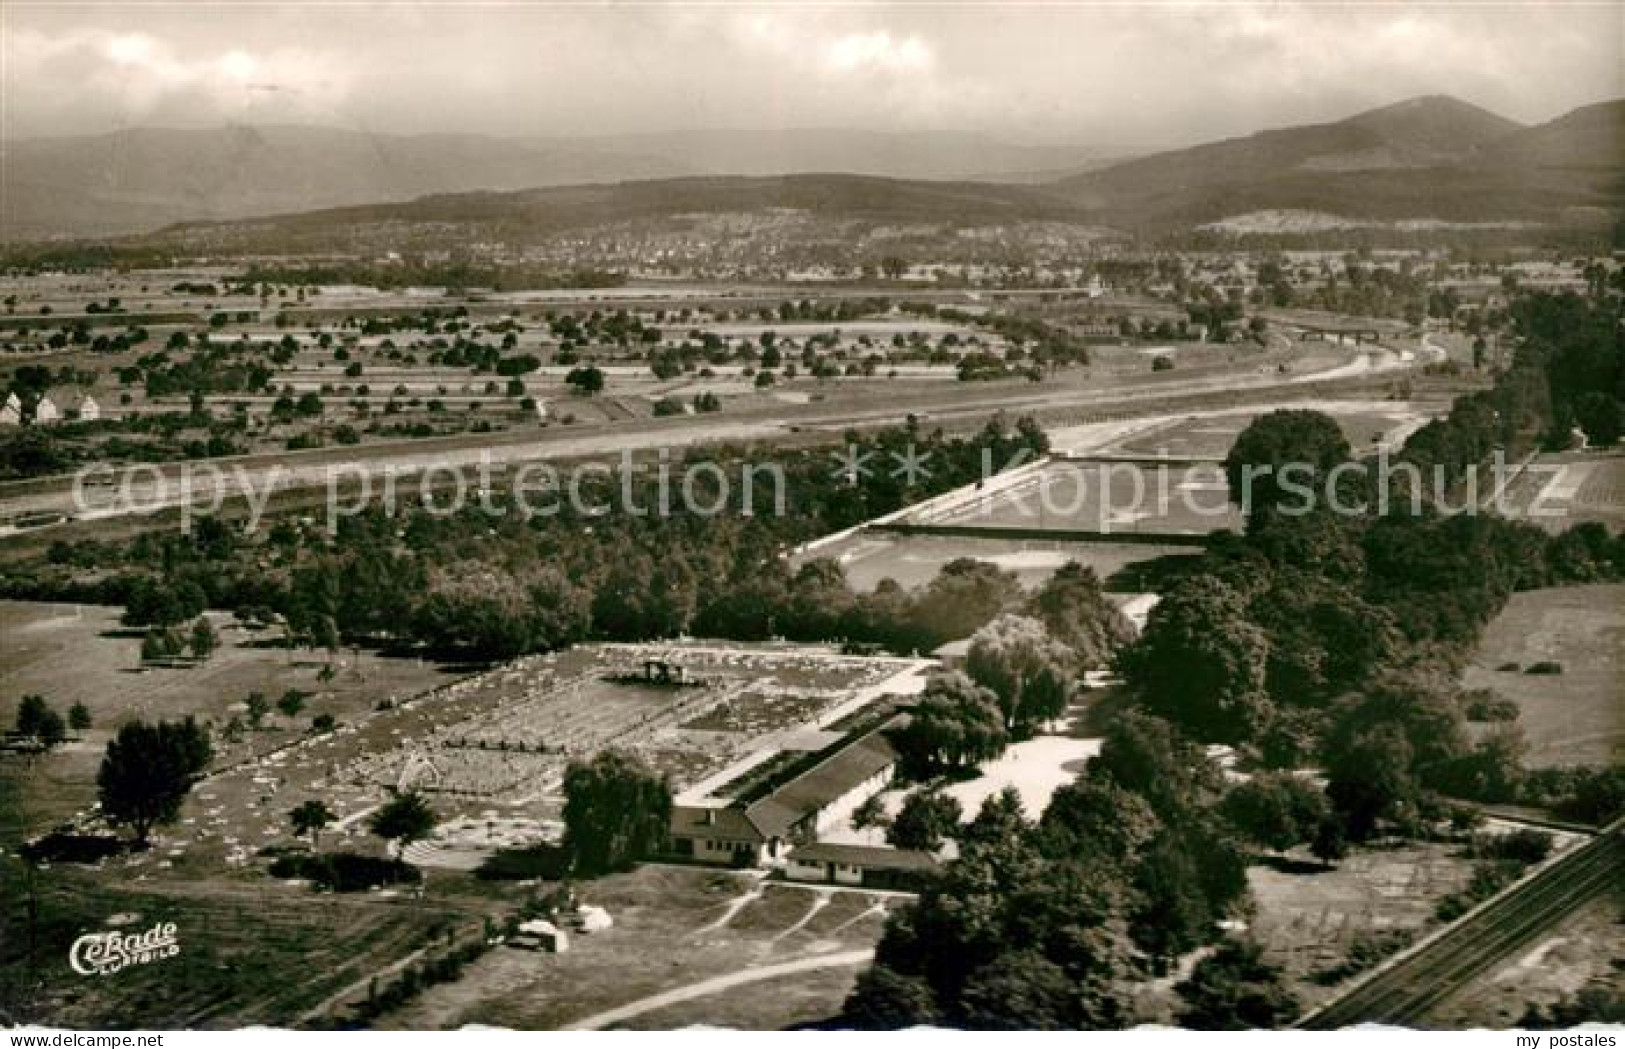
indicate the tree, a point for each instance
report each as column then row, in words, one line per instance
column 926, row 818
column 258, row 706
column 1276, row 810
column 204, row 639
column 36, row 719
column 148, row 771
column 1075, row 610
column 956, row 726
column 1021, row 991
column 1015, row 658
column 1186, row 879
column 1288, row 452
column 617, row 811
column 960, row 599
column 886, row 1000
column 1094, row 818
column 1201, row 662
column 871, row 812
column 79, row 717
column 587, row 379
column 1147, row 756
column 1329, row 845
column 1234, row 989
column 404, row 819
column 312, row 817
column 291, row 702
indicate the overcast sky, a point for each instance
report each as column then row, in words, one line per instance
column 1109, row 72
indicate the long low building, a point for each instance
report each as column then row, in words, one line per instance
column 762, row 823
column 869, row 866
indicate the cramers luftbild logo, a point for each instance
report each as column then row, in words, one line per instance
column 105, row 953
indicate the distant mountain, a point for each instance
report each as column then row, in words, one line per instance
column 814, row 205
column 1424, row 164
column 1588, row 141
column 137, row 180
column 131, row 181
column 934, row 155
column 1420, row 163
column 1297, row 165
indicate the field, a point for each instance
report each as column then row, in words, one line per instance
column 1308, row 917
column 1210, row 436
column 674, row 927
column 1576, row 717
column 251, row 950
column 39, row 642
column 913, row 560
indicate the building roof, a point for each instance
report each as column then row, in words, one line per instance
column 723, row 823
column 872, row 857
column 826, row 781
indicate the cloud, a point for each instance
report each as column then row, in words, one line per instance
column 878, row 52
column 125, row 78
column 1113, row 74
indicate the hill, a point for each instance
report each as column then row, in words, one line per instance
column 1427, row 160
column 142, row 179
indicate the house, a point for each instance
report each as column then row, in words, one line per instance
column 871, row 866
column 814, row 793
column 65, row 403
column 11, row 410
column 46, row 411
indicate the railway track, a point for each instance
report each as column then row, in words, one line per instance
column 1407, row 989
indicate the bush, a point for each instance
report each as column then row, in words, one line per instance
column 1525, row 847
column 346, row 871
column 1366, row 951
column 1545, row 666
column 1484, row 705
column 67, row 847
column 547, row 862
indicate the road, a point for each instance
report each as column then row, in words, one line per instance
column 1405, row 990
column 717, row 984
column 145, row 489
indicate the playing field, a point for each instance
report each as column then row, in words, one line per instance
column 1113, row 497
column 1210, row 436
column 1576, row 717
column 913, row 560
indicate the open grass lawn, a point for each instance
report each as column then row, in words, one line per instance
column 673, row 927
column 1576, row 717
column 80, row 654
column 771, row 1005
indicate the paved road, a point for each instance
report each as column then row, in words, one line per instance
column 148, row 489
column 1410, row 986
column 717, row 984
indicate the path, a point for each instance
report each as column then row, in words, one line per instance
column 716, row 984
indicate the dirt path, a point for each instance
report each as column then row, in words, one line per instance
column 716, row 984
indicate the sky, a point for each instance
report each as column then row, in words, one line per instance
column 1109, row 72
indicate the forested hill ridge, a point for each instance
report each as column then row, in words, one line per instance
column 141, row 179
column 1427, row 164
column 1431, row 159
